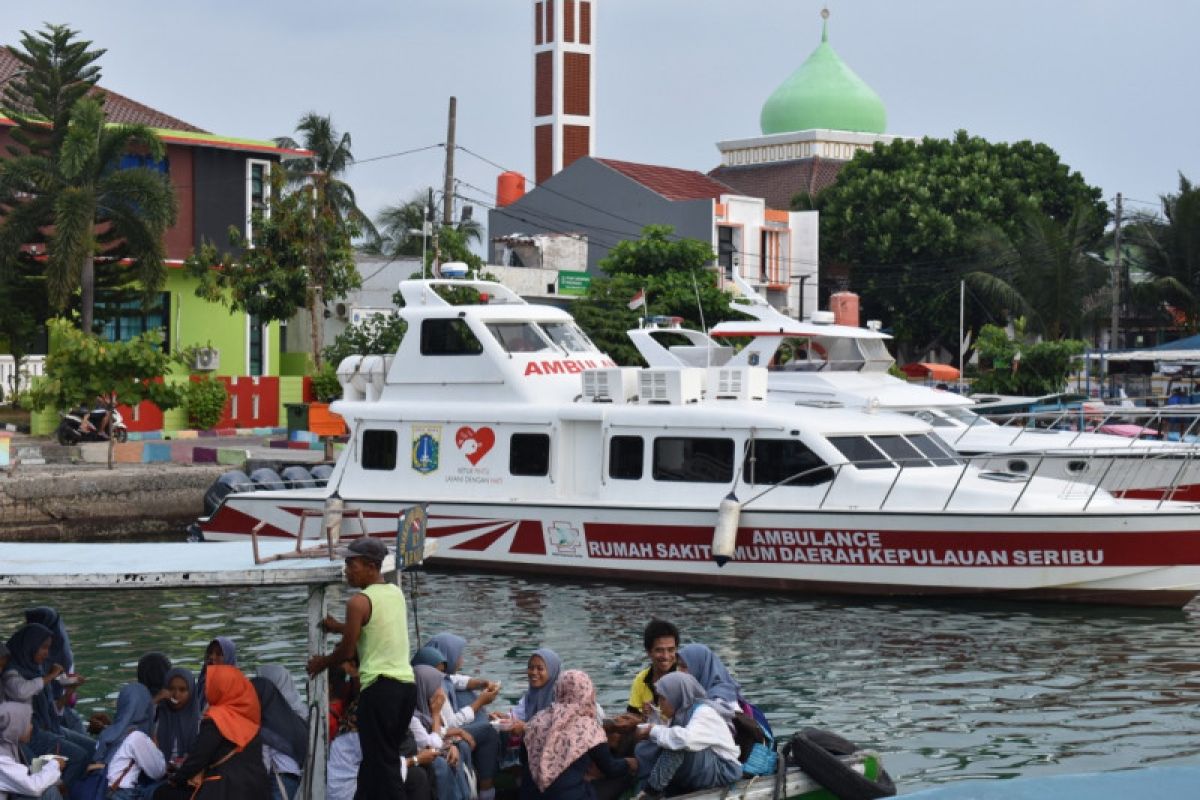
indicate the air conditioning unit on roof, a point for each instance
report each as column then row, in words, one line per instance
column 737, row 383
column 611, row 385
column 671, row 385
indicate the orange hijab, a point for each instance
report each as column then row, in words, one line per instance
column 232, row 704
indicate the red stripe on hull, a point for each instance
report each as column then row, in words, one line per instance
column 1183, row 494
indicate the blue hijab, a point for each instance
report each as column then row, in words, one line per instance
column 135, row 712
column 179, row 725
column 428, row 657
column 60, row 649
column 451, row 646
column 22, row 648
column 683, row 692
column 228, row 653
column 705, row 666
column 538, row 699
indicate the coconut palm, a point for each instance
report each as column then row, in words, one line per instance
column 1045, row 271
column 88, row 208
column 325, row 168
column 399, row 228
column 1166, row 249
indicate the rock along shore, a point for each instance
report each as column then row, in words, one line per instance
column 87, row 502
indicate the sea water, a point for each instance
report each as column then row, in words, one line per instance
column 943, row 689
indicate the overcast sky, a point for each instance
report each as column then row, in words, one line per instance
column 1109, row 85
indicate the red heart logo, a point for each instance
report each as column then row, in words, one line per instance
column 476, row 443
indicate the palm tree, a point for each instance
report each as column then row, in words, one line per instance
column 1167, row 251
column 89, row 209
column 325, row 168
column 399, row 229
column 1044, row 271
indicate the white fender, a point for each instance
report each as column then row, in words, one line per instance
column 334, row 506
column 724, row 543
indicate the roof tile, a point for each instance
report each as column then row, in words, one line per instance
column 670, row 182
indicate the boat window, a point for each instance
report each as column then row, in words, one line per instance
column 967, row 417
column 519, row 337
column 904, row 453
column 529, row 454
column 625, row 457
column 772, row 461
column 379, row 449
column 860, row 452
column 693, row 459
column 934, row 419
column 448, row 337
column 568, row 336
column 932, row 448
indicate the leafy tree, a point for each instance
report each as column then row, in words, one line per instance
column 61, row 187
column 1166, row 249
column 300, row 258
column 324, row 170
column 902, row 216
column 1045, row 270
column 83, row 368
column 205, row 401
column 676, row 277
column 378, row 334
column 1010, row 367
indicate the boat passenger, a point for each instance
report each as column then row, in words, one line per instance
column 28, row 680
column 3, row 666
column 282, row 678
column 430, row 657
column 220, row 650
column 564, row 741
column 178, row 719
column 226, row 759
column 749, row 724
column 16, row 781
column 433, row 734
column 285, row 739
column 466, row 705
column 132, row 763
column 542, row 669
column 152, row 670
column 60, row 653
column 697, row 751
column 661, row 640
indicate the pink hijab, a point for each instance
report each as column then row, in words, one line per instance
column 557, row 736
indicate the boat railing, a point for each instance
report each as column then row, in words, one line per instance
column 1085, row 489
column 1157, row 421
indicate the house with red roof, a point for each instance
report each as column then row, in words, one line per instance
column 603, row 201
column 218, row 181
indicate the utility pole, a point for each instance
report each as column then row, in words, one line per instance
column 1116, row 278
column 430, row 211
column 448, row 189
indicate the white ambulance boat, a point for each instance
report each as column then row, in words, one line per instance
column 818, row 363
column 535, row 453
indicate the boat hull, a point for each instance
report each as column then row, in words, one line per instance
column 1141, row 558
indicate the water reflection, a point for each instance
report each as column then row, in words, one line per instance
column 945, row 690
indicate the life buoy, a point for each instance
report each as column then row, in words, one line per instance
column 818, row 752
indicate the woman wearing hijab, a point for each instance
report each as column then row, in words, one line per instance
column 126, row 749
column 16, row 781
column 226, row 761
column 445, row 749
column 564, row 740
column 706, row 667
column 220, row 650
column 697, row 750
column 285, row 739
column 466, row 705
column 60, row 653
column 430, row 657
column 542, row 670
column 28, row 680
column 278, row 675
column 178, row 719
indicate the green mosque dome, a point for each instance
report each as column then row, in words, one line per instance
column 823, row 93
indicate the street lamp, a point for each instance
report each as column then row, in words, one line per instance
column 424, row 231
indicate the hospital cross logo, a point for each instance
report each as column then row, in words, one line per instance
column 564, row 539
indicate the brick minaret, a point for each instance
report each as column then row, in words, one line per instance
column 564, row 89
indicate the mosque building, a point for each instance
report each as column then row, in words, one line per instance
column 812, row 125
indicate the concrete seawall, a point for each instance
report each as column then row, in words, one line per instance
column 80, row 503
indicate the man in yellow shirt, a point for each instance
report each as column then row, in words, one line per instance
column 376, row 627
column 661, row 640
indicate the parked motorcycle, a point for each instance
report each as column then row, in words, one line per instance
column 71, row 430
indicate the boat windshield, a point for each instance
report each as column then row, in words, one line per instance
column 519, row 337
column 568, row 336
column 951, row 417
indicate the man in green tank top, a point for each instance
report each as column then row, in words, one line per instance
column 376, row 627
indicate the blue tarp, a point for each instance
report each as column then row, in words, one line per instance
column 1190, row 343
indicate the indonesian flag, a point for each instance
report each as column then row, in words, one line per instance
column 639, row 300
